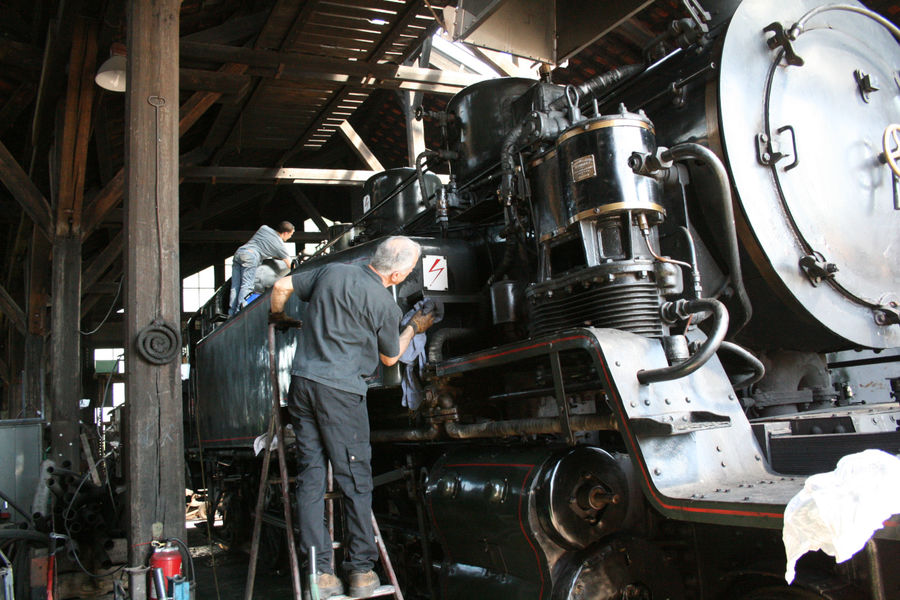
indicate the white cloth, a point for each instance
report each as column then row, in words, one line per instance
column 837, row 512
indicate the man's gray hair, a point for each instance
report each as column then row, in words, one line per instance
column 397, row 253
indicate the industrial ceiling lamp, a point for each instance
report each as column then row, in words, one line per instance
column 111, row 75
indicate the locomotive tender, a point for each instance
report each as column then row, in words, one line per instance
column 665, row 289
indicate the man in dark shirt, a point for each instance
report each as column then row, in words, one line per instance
column 351, row 322
column 265, row 243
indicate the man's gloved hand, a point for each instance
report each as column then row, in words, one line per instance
column 421, row 322
column 282, row 322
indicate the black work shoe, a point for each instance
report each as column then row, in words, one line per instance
column 362, row 584
column 329, row 585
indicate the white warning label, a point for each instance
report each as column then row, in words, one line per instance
column 434, row 272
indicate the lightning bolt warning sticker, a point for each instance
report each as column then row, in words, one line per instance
column 434, row 269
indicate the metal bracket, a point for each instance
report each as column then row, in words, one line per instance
column 766, row 153
column 817, row 268
column 888, row 311
column 783, row 40
column 699, row 15
column 678, row 423
column 865, row 83
column 768, row 150
column 561, row 402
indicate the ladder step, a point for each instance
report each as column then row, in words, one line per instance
column 384, row 590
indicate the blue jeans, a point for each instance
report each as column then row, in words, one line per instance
column 243, row 274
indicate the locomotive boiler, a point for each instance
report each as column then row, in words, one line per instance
column 671, row 293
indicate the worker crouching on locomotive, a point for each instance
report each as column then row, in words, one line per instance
column 351, row 322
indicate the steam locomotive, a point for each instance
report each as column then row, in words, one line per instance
column 671, row 294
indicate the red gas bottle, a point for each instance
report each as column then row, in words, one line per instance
column 168, row 558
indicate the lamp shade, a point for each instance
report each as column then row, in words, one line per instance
column 111, row 75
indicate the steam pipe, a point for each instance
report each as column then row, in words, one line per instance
column 507, row 157
column 600, row 83
column 682, row 308
column 690, row 150
column 534, row 426
column 405, row 435
column 420, row 172
column 759, row 370
column 490, row 429
column 436, row 341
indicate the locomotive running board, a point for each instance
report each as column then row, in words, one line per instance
column 689, row 440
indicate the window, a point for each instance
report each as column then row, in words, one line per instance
column 196, row 289
column 108, row 361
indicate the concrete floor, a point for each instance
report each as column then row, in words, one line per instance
column 222, row 572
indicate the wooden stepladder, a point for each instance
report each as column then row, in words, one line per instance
column 276, row 429
column 393, row 588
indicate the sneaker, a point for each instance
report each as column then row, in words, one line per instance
column 362, row 585
column 329, row 585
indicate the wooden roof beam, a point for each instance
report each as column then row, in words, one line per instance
column 308, row 207
column 286, row 175
column 12, row 311
column 359, row 146
column 101, row 263
column 239, row 237
column 283, row 175
column 76, row 129
column 291, row 65
column 111, row 195
column 21, row 187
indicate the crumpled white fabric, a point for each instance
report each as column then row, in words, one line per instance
column 837, row 512
column 259, row 444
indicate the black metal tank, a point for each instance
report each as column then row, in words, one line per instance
column 550, row 214
column 404, row 195
column 594, row 166
column 480, row 118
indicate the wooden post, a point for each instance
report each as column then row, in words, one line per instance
column 36, row 317
column 65, row 340
column 65, row 346
column 154, row 441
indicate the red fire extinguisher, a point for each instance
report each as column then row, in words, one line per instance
column 166, row 556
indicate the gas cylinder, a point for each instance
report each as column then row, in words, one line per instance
column 168, row 558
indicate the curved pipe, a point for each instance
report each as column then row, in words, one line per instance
column 507, row 157
column 759, row 370
column 690, row 150
column 706, row 350
column 491, row 429
column 435, row 347
column 420, row 172
column 600, row 83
